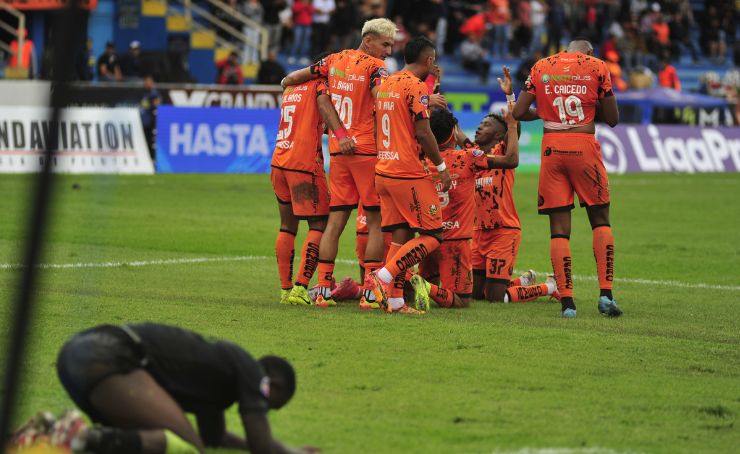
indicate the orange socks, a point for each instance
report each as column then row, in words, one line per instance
column 309, row 257
column 441, row 296
column 520, row 294
column 284, row 250
column 561, row 264
column 406, row 256
column 325, row 274
column 604, row 254
column 360, row 247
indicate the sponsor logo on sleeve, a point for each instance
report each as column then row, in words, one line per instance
column 477, row 152
column 424, row 100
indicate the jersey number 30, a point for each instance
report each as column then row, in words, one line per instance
column 343, row 106
column 570, row 106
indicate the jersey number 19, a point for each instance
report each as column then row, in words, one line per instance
column 570, row 106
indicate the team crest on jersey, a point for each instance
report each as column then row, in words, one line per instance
column 433, row 210
column 477, row 152
column 424, row 100
column 545, row 78
column 265, row 386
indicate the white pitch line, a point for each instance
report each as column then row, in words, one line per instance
column 564, row 451
column 248, row 258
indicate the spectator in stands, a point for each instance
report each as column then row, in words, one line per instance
column 148, row 111
column 253, row 10
column 426, row 16
column 271, row 72
column 320, row 33
column 271, row 21
column 86, row 62
column 24, row 57
column 474, row 57
column 130, row 62
column 556, row 24
column 538, row 15
column 402, row 37
column 522, row 36
column 525, row 67
column 302, row 20
column 374, row 10
column 681, row 31
column 713, row 34
column 108, row 68
column 615, row 71
column 661, row 35
column 667, row 76
column 229, row 70
column 343, row 25
column 499, row 17
column 228, row 19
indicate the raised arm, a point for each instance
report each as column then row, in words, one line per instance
column 511, row 159
column 522, row 110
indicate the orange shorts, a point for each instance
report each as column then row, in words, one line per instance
column 571, row 162
column 307, row 193
column 495, row 251
column 451, row 263
column 410, row 204
column 351, row 181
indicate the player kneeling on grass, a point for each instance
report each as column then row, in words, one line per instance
column 138, row 381
column 299, row 181
column 497, row 230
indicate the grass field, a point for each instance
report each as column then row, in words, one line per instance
column 664, row 378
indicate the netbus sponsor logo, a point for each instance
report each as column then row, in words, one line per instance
column 669, row 149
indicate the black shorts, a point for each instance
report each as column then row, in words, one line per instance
column 92, row 356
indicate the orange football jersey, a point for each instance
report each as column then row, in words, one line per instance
column 458, row 204
column 567, row 86
column 352, row 74
column 298, row 145
column 494, row 197
column 402, row 100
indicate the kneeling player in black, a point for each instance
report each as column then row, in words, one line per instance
column 137, row 382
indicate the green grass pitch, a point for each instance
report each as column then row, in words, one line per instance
column 664, row 378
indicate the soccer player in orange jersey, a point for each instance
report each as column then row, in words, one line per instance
column 497, row 230
column 354, row 76
column 569, row 88
column 446, row 274
column 299, row 181
column 409, row 201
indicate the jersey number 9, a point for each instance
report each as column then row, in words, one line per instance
column 385, row 126
column 570, row 106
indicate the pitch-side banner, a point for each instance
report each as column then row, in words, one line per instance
column 215, row 140
column 90, row 140
column 651, row 148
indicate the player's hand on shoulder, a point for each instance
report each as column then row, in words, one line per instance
column 505, row 83
column 437, row 101
column 346, row 146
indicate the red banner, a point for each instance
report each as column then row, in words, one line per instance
column 48, row 4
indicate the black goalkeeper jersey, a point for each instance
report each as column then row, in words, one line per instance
column 202, row 375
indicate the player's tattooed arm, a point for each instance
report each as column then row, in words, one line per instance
column 298, row 77
column 331, row 118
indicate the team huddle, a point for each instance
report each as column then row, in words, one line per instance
column 436, row 216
